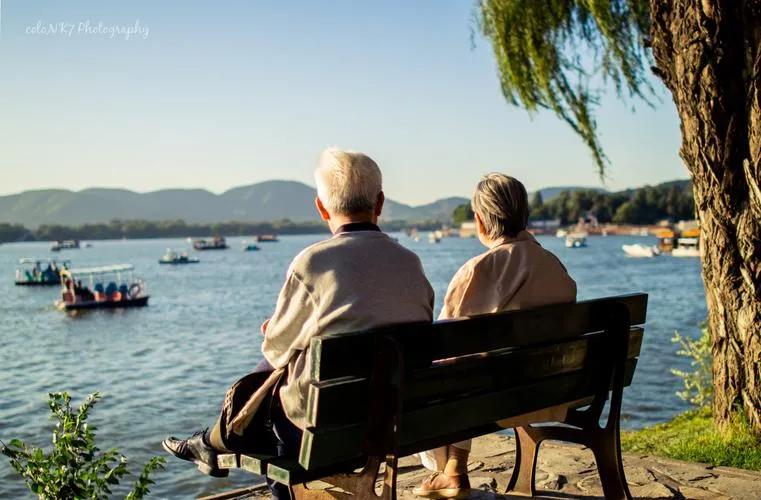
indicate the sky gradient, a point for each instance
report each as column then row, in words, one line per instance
column 219, row 94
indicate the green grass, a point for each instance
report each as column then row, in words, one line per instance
column 692, row 436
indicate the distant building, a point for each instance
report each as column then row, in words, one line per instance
column 468, row 229
column 547, row 225
column 686, row 225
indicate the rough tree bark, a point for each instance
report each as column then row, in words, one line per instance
column 708, row 53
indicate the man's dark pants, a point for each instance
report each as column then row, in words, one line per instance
column 287, row 436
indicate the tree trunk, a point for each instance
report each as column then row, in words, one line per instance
column 708, row 53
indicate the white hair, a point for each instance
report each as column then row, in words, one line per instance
column 348, row 182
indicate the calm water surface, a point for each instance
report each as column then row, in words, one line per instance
column 164, row 369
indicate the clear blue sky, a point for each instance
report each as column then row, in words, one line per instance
column 226, row 93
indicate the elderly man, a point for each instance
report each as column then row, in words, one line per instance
column 358, row 279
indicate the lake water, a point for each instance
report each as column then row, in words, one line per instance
column 164, row 369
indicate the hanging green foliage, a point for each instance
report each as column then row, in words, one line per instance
column 560, row 55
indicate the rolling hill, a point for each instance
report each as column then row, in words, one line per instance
column 261, row 202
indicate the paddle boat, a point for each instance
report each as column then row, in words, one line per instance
column 172, row 257
column 576, row 240
column 40, row 272
column 639, row 250
column 64, row 245
column 688, row 244
column 121, row 289
column 216, row 243
column 666, row 240
column 267, row 238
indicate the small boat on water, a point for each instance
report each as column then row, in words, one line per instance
column 433, row 237
column 250, row 247
column 666, row 240
column 688, row 244
column 172, row 257
column 641, row 251
column 216, row 243
column 64, row 245
column 40, row 272
column 576, row 240
column 121, row 289
column 561, row 233
column 267, row 238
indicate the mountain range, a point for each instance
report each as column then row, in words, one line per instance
column 261, row 202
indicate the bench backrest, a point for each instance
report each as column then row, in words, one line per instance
column 508, row 364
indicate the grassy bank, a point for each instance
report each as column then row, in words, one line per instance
column 692, row 436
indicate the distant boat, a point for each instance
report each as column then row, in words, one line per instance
column 267, row 238
column 217, row 243
column 250, row 247
column 172, row 257
column 640, row 250
column 666, row 240
column 64, row 245
column 687, row 247
column 31, row 273
column 118, row 293
column 434, row 238
column 576, row 240
column 561, row 233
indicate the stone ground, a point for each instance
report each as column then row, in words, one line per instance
column 568, row 471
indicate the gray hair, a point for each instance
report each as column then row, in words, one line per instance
column 502, row 203
column 347, row 182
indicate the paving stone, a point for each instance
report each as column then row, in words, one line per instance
column 653, row 491
column 590, row 484
column 483, row 483
column 691, row 493
column 701, row 477
column 475, row 466
column 554, row 482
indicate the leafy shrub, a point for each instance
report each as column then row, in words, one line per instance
column 74, row 469
column 698, row 384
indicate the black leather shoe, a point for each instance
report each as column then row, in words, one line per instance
column 194, row 449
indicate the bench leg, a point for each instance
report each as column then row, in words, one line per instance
column 610, row 465
column 526, row 451
column 604, row 443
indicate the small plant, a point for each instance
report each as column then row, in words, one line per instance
column 698, row 384
column 74, row 469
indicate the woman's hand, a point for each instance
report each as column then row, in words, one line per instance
column 263, row 328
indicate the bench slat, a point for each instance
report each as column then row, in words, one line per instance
column 327, row 400
column 289, row 471
column 228, row 461
column 326, row 445
column 349, row 354
column 252, row 463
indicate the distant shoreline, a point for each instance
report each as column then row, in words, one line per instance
column 142, row 229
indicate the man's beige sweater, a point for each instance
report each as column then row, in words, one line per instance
column 353, row 281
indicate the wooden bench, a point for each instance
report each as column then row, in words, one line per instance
column 385, row 393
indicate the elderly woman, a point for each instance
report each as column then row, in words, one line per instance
column 515, row 272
